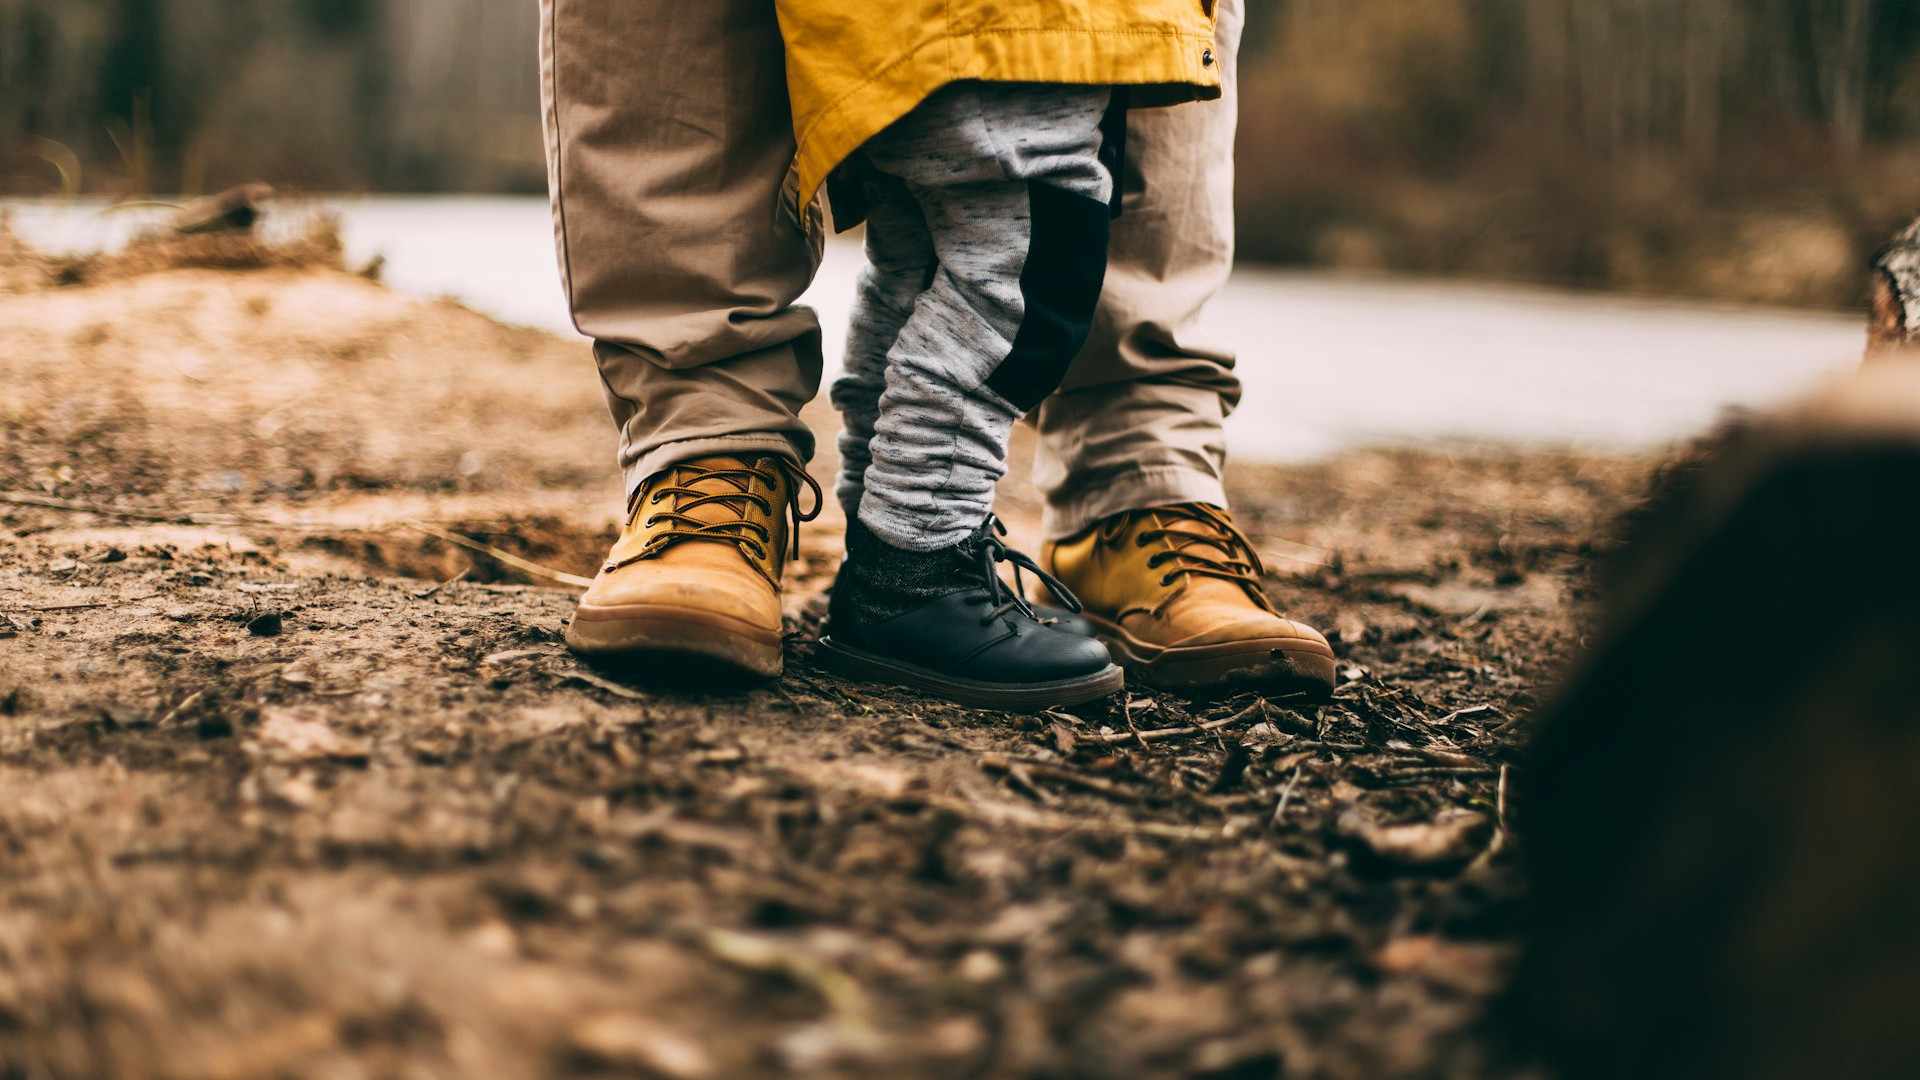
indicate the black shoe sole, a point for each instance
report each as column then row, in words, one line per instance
column 1719, row 810
column 975, row 693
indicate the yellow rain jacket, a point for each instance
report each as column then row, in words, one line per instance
column 856, row 66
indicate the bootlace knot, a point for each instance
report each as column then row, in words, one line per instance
column 731, row 488
column 987, row 550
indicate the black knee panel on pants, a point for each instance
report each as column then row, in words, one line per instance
column 1066, row 267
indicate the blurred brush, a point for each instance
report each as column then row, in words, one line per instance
column 1895, row 320
column 233, row 210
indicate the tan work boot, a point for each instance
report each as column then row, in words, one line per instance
column 696, row 572
column 1175, row 593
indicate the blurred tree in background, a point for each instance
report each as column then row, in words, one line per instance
column 1741, row 148
column 184, row 95
column 1754, row 149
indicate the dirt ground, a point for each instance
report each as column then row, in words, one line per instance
column 291, row 785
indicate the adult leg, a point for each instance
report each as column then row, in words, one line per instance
column 668, row 146
column 1138, row 421
column 1132, row 448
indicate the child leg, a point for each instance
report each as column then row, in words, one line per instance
column 1013, row 199
column 900, row 262
column 1014, row 196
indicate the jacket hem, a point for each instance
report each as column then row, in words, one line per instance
column 1184, row 71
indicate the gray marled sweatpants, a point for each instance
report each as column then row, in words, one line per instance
column 987, row 229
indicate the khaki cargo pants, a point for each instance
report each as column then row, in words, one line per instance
column 669, row 139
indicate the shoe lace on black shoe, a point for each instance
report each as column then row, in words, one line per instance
column 986, row 550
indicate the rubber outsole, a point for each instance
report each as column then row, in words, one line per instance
column 979, row 694
column 1287, row 666
column 661, row 635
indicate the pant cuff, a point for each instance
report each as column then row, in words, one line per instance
column 1135, row 489
column 673, row 453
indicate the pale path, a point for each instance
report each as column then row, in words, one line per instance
column 1329, row 363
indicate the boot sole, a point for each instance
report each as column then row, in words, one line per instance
column 1276, row 665
column 650, row 634
column 1720, row 837
column 975, row 693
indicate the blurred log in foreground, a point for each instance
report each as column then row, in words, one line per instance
column 1719, row 806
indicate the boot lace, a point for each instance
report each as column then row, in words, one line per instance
column 753, row 538
column 1203, row 542
column 986, row 550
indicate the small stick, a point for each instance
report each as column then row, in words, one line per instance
column 234, row 520
column 77, row 607
column 54, row 608
column 1126, row 713
column 1500, row 814
column 608, row 685
column 1457, row 714
column 509, row 558
column 1286, row 795
column 1163, row 734
column 1028, row 769
column 180, row 708
column 428, row 593
column 16, row 498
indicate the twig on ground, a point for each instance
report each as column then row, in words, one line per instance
column 180, row 708
column 1286, row 796
column 1162, row 734
column 242, row 521
column 1429, row 773
column 424, row 594
column 1029, row 770
column 55, row 608
column 44, row 502
column 1460, row 714
column 1447, row 757
column 608, row 685
column 1019, row 816
column 523, row 565
column 1126, row 713
column 1500, row 815
column 1021, row 779
column 842, row 993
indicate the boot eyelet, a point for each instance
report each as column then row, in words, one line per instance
column 1166, row 580
column 1140, row 541
column 649, row 523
